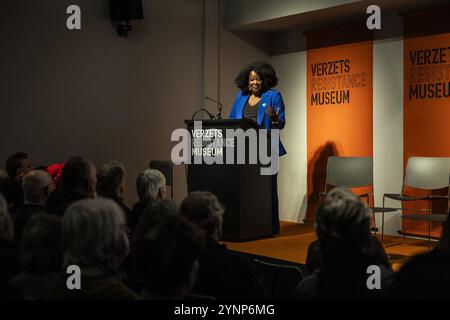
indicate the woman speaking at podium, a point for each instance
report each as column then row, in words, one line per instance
column 257, row 100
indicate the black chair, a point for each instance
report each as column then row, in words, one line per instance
column 279, row 280
column 166, row 167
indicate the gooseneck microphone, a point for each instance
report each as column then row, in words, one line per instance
column 219, row 107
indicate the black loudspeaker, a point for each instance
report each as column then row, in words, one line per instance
column 124, row 10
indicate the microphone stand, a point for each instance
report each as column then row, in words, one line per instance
column 203, row 109
column 219, row 107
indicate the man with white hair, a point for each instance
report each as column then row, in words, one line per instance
column 151, row 187
column 37, row 186
column 94, row 239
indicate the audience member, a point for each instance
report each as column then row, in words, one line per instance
column 111, row 184
column 151, row 186
column 78, row 182
column 346, row 249
column 17, row 165
column 155, row 213
column 55, row 170
column 95, row 239
column 37, row 186
column 222, row 274
column 168, row 257
column 426, row 276
column 41, row 258
column 9, row 253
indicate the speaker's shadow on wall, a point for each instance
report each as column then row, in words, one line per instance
column 317, row 172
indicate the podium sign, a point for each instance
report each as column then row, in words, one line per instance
column 244, row 191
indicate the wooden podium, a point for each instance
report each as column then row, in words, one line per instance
column 246, row 194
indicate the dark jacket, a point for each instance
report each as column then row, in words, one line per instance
column 13, row 192
column 135, row 215
column 61, row 198
column 128, row 212
column 225, row 275
column 9, row 267
column 343, row 275
column 426, row 276
column 98, row 283
column 37, row 286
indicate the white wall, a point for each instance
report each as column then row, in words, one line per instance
column 292, row 179
column 388, row 126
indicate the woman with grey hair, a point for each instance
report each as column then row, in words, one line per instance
column 95, row 240
column 151, row 187
column 346, row 250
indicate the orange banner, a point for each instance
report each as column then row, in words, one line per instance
column 426, row 106
column 339, row 109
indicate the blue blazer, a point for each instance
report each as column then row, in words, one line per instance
column 269, row 97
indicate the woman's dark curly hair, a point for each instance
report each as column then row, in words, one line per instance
column 263, row 69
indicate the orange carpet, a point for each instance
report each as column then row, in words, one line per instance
column 294, row 239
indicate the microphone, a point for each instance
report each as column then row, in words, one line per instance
column 204, row 110
column 219, row 107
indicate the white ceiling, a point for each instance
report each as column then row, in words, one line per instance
column 307, row 15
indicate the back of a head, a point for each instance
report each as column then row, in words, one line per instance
column 14, row 162
column 109, row 178
column 167, row 257
column 34, row 184
column 41, row 244
column 94, row 233
column 152, row 216
column 204, row 209
column 76, row 174
column 343, row 223
column 6, row 229
column 148, row 185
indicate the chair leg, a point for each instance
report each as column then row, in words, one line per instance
column 429, row 235
column 429, row 225
column 374, row 223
